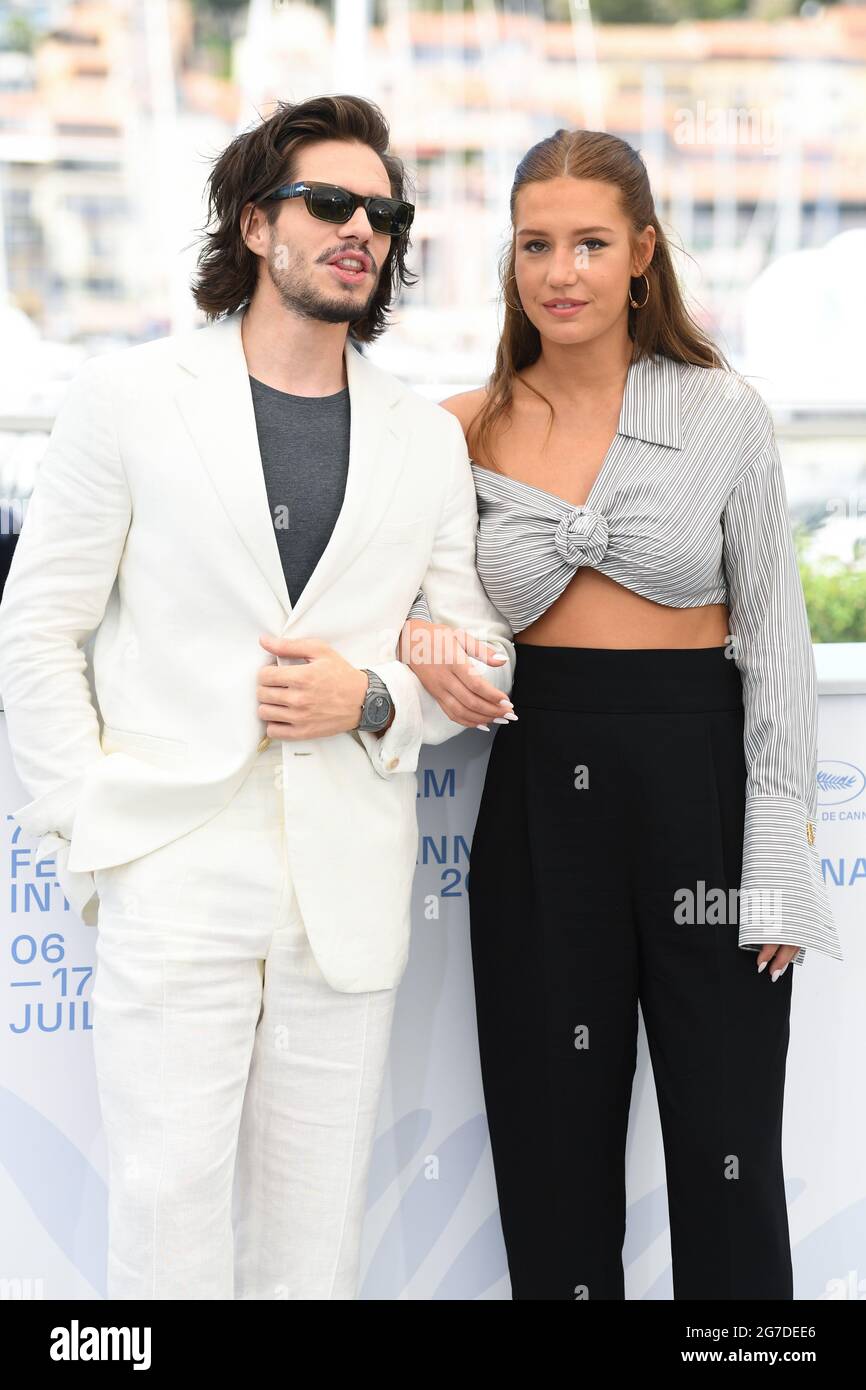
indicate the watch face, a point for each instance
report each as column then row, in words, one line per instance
column 376, row 710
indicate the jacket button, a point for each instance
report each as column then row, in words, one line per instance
column 263, row 743
column 392, row 763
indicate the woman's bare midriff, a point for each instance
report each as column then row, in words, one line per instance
column 595, row 611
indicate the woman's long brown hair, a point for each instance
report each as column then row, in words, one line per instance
column 664, row 327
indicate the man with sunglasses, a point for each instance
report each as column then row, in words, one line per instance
column 243, row 515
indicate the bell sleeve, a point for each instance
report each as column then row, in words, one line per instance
column 783, row 898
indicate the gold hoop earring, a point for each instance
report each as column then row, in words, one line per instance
column 515, row 308
column 632, row 302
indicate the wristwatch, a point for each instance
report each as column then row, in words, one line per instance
column 377, row 706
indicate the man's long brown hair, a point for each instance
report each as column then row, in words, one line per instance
column 256, row 163
column 663, row 327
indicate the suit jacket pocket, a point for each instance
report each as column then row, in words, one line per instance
column 136, row 741
column 397, row 532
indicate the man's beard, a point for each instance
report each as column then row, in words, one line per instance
column 299, row 296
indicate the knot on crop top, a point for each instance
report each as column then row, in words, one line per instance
column 581, row 536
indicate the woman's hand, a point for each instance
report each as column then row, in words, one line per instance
column 779, row 957
column 439, row 656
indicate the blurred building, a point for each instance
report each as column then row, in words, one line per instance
column 753, row 132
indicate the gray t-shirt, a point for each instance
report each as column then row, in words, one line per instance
column 304, row 444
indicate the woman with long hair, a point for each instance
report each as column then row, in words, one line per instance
column 646, row 829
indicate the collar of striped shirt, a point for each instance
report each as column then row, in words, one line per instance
column 652, row 401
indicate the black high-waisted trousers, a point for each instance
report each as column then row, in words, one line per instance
column 619, row 790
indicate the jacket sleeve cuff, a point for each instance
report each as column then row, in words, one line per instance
column 418, row 717
column 53, row 811
column 783, row 898
column 399, row 748
column 79, row 887
column 48, row 820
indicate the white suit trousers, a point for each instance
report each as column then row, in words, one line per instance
column 239, row 1091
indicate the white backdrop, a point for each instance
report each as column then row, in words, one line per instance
column 432, row 1228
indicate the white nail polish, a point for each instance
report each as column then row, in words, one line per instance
column 775, row 975
column 762, row 966
column 500, row 721
column 483, row 726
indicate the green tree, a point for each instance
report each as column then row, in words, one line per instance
column 835, row 593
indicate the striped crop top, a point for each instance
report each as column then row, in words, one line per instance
column 689, row 508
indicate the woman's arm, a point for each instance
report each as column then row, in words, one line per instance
column 420, row 608
column 783, row 898
column 439, row 659
column 439, row 656
column 458, row 599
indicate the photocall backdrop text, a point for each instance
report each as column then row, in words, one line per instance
column 432, row 1228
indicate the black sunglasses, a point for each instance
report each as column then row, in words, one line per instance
column 331, row 203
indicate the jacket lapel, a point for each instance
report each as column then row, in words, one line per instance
column 213, row 395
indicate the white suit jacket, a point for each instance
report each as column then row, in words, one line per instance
column 149, row 527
